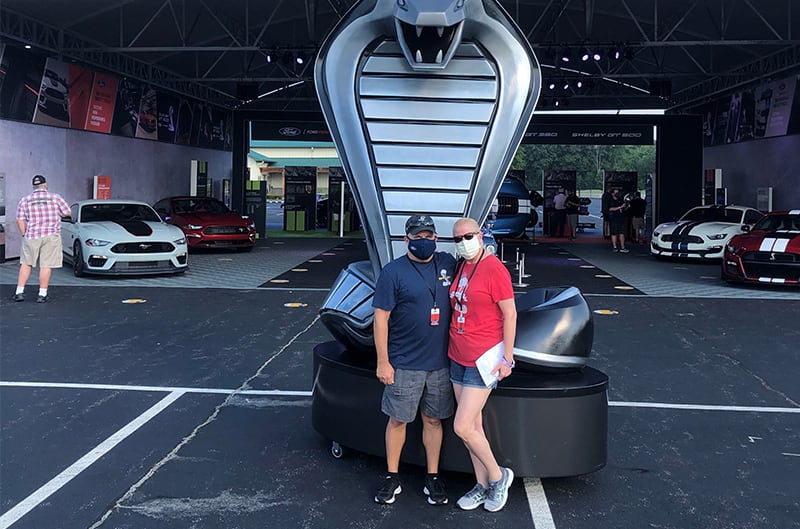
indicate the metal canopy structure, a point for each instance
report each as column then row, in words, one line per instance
column 656, row 54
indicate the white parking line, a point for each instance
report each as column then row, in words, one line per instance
column 703, row 407
column 46, row 490
column 120, row 387
column 537, row 502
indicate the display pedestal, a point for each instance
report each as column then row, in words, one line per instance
column 539, row 424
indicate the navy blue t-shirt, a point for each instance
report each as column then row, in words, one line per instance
column 404, row 288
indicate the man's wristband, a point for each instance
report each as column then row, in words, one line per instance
column 507, row 363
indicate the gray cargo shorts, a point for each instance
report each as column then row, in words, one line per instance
column 428, row 391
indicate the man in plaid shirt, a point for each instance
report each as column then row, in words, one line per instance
column 39, row 220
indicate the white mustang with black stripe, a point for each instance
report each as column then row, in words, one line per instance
column 702, row 232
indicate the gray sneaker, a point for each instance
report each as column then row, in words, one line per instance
column 497, row 495
column 472, row 499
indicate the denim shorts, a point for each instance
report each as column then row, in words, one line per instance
column 468, row 376
column 427, row 391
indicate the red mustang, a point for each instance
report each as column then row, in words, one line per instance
column 208, row 223
column 767, row 253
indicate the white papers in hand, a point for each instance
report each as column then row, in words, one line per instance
column 488, row 361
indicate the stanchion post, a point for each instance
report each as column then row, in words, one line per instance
column 516, row 266
column 502, row 251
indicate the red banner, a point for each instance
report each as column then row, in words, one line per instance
column 101, row 103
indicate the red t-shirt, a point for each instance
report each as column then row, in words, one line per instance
column 474, row 296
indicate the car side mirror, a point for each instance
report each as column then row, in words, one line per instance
column 746, row 228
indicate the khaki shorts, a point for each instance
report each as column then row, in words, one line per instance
column 46, row 250
column 637, row 223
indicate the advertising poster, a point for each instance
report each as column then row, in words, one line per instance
column 184, row 124
column 776, row 100
column 102, row 187
column 80, row 89
column 52, row 107
column 101, row 103
column 198, row 179
column 167, row 117
column 147, row 124
column 552, row 181
column 197, row 118
column 126, row 109
column 300, row 198
column 218, row 128
column 206, row 132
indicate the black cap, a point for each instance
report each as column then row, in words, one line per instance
column 38, row 180
column 418, row 223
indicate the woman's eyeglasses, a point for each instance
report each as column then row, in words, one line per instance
column 467, row 236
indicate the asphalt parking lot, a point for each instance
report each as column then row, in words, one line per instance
column 184, row 402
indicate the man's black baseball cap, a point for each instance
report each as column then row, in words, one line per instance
column 39, row 180
column 418, row 223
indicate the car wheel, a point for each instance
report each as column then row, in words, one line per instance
column 77, row 260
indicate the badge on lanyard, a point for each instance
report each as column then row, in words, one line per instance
column 460, row 321
column 434, row 317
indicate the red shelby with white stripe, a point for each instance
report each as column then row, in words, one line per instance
column 767, row 253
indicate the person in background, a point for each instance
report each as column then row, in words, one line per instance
column 560, row 215
column 484, row 316
column 637, row 210
column 39, row 221
column 411, row 317
column 616, row 214
column 573, row 208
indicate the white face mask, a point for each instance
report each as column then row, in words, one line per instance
column 468, row 248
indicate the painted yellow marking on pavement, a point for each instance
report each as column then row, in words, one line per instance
column 278, row 280
column 606, row 312
column 603, row 276
column 134, row 300
column 295, row 304
column 623, row 287
column 299, row 269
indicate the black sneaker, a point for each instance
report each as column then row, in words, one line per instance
column 388, row 490
column 18, row 297
column 435, row 491
column 41, row 299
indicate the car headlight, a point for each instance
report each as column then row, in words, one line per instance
column 180, row 241
column 192, row 227
column 733, row 249
column 717, row 236
column 97, row 242
column 656, row 233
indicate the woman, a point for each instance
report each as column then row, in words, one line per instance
column 484, row 315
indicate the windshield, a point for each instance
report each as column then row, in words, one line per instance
column 199, row 205
column 116, row 212
column 714, row 215
column 778, row 222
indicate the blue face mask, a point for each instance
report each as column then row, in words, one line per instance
column 422, row 248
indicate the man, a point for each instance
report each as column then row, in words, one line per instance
column 560, row 215
column 637, row 211
column 616, row 212
column 39, row 221
column 412, row 315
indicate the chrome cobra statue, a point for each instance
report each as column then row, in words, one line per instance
column 426, row 101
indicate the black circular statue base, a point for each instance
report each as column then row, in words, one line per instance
column 539, row 424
